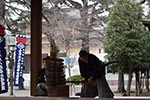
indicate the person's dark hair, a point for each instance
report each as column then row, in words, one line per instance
column 46, row 58
column 83, row 53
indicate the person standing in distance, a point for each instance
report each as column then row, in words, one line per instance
column 41, row 87
column 93, row 72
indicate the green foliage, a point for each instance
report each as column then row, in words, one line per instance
column 126, row 36
column 75, row 78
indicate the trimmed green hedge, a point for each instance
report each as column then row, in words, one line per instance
column 75, row 78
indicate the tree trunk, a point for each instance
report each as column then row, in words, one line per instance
column 85, row 42
column 129, row 84
column 141, row 82
column 137, row 83
column 129, row 79
column 121, row 87
column 2, row 9
column 147, row 80
column 85, row 39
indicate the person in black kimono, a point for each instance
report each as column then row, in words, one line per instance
column 41, row 87
column 93, row 72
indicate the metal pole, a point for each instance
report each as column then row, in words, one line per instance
column 11, row 64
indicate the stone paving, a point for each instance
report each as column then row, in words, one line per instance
column 74, row 89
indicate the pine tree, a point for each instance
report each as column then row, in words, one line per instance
column 125, row 37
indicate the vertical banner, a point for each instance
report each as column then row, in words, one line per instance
column 19, row 59
column 3, row 71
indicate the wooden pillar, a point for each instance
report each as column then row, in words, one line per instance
column 36, row 42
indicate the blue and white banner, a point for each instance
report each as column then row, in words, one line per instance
column 19, row 59
column 3, row 71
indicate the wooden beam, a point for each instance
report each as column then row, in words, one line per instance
column 71, row 98
column 146, row 22
column 36, row 42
